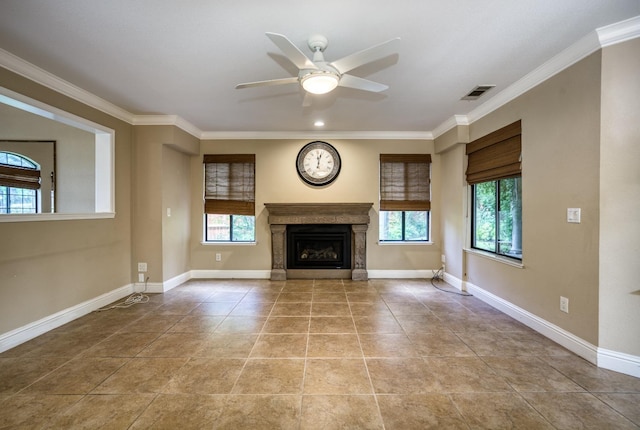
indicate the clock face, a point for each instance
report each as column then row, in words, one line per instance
column 318, row 163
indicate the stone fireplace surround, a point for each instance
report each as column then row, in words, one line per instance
column 354, row 214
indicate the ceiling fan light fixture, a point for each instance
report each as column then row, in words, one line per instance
column 319, row 82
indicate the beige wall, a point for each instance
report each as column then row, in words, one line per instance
column 49, row 266
column 620, row 199
column 278, row 182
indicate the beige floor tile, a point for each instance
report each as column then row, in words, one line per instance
column 377, row 324
column 387, row 345
column 141, row 375
column 264, row 412
column 424, row 323
column 332, row 325
column 78, row 376
column 214, row 308
column 252, row 309
column 227, row 345
column 286, row 325
column 241, row 324
column 627, row 404
column 127, row 344
column 322, row 309
column 593, row 378
column 284, row 309
column 205, row 376
column 280, row 346
column 334, row 297
column 339, row 412
column 492, row 411
column 196, row 324
column 104, row 412
column 420, row 411
column 408, row 308
column 371, row 296
column 183, row 411
column 295, row 297
column 337, row 376
column 577, row 410
column 364, row 309
column 334, row 345
column 402, row 376
column 32, row 411
column 271, row 376
column 441, row 343
column 466, row 374
column 174, row 345
column 18, row 373
column 530, row 374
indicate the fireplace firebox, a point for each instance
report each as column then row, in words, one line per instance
column 319, row 246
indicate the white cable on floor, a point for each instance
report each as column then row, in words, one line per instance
column 133, row 299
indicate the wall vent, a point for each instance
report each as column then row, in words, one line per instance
column 475, row 93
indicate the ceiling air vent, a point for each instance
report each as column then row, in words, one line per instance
column 477, row 92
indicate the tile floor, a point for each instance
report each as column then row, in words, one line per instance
column 305, row 354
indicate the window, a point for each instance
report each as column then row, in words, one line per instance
column 405, row 197
column 494, row 173
column 229, row 193
column 19, row 184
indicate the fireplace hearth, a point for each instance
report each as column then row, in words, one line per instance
column 340, row 251
column 324, row 246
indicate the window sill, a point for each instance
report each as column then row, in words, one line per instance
column 54, row 217
column 500, row 259
column 403, row 243
column 228, row 243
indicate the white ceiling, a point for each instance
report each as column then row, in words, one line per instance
column 184, row 58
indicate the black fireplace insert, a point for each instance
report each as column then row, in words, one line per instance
column 319, row 246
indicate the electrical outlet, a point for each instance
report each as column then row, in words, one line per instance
column 218, row 256
column 140, row 277
column 564, row 304
column 443, row 258
column 142, row 267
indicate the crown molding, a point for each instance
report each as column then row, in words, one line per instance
column 174, row 120
column 450, row 123
column 600, row 38
column 30, row 71
column 619, row 32
column 352, row 135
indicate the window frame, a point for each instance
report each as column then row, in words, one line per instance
column 206, row 240
column 404, row 240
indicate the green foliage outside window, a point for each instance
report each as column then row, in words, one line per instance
column 404, row 226
column 230, row 228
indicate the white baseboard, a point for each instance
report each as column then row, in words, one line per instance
column 230, row 274
column 619, row 362
column 400, row 274
column 27, row 332
column 570, row 341
column 453, row 281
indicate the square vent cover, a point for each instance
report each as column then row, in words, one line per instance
column 475, row 93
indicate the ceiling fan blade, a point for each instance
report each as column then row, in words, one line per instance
column 270, row 82
column 350, row 81
column 365, row 56
column 292, row 52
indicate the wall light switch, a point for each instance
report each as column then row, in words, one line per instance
column 142, row 267
column 573, row 215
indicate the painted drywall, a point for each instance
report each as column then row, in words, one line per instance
column 277, row 182
column 49, row 266
column 620, row 199
column 75, row 157
column 560, row 170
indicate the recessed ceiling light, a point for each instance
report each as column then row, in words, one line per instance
column 319, row 123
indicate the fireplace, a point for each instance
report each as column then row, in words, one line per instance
column 319, row 246
column 338, row 251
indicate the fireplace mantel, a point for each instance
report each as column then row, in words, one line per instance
column 283, row 214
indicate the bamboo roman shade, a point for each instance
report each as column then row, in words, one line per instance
column 405, row 182
column 496, row 155
column 229, row 184
column 19, row 177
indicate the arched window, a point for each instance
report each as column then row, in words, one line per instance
column 19, row 184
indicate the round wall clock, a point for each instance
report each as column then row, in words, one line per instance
column 318, row 163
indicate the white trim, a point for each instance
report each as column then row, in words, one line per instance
column 619, row 362
column 308, row 135
column 30, row 71
column 27, row 332
column 454, row 282
column 230, row 274
column 174, row 120
column 54, row 217
column 619, row 32
column 401, row 274
column 570, row 341
column 495, row 257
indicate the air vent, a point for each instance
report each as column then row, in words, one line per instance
column 475, row 93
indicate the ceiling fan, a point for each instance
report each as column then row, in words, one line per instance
column 318, row 76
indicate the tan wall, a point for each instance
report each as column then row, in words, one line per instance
column 560, row 163
column 620, row 199
column 54, row 265
column 278, row 182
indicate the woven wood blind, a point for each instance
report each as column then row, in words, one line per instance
column 19, row 177
column 496, row 155
column 229, row 184
column 405, row 182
